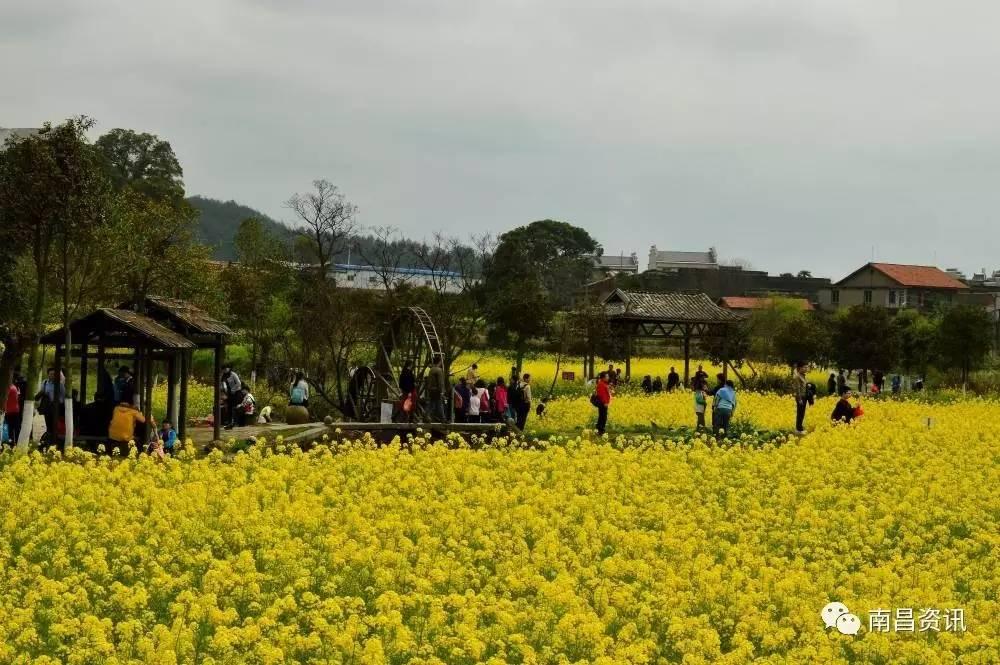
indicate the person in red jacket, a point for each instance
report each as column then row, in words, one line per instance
column 603, row 394
column 12, row 409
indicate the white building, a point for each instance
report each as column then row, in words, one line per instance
column 659, row 260
column 353, row 276
column 618, row 264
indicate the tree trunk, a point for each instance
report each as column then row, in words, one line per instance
column 31, row 376
column 68, row 388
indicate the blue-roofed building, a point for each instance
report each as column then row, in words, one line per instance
column 354, row 276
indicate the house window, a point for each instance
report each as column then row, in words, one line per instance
column 868, row 297
column 921, row 298
column 902, row 298
column 892, row 297
column 373, row 280
column 428, row 282
column 350, row 278
column 835, row 297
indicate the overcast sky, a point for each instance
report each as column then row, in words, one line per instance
column 791, row 133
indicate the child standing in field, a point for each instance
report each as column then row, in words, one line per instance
column 168, row 436
column 700, row 403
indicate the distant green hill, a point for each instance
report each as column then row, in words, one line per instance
column 220, row 220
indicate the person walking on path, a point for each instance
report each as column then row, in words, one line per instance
column 841, row 383
column 799, row 387
column 524, row 401
column 602, row 401
column 831, row 384
column 437, row 387
column 723, row 407
column 231, row 386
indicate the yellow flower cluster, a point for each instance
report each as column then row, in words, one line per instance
column 543, row 368
column 634, row 550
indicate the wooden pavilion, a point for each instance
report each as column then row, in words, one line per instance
column 164, row 330
column 680, row 317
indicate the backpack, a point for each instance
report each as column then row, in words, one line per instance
column 298, row 394
column 459, row 402
column 596, row 401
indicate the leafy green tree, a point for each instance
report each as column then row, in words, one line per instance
column 53, row 199
column 155, row 250
column 964, row 338
column 917, row 339
column 803, row 338
column 257, row 289
column 764, row 326
column 143, row 162
column 535, row 270
column 864, row 338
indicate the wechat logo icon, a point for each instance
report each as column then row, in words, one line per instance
column 836, row 615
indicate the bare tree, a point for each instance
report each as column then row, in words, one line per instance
column 385, row 253
column 329, row 223
column 454, row 301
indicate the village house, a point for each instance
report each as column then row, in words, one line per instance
column 660, row 260
column 893, row 286
column 611, row 265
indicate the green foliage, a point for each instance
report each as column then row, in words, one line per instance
column 219, row 221
column 143, row 162
column 965, row 336
column 535, row 270
column 917, row 339
column 803, row 338
column 864, row 338
column 156, row 252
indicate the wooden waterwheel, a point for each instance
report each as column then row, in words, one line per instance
column 409, row 339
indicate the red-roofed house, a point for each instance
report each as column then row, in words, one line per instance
column 893, row 286
column 745, row 305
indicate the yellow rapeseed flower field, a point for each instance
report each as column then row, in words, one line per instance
column 624, row 550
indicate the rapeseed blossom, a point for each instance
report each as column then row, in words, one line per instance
column 631, row 549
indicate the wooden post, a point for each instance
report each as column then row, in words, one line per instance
column 84, row 359
column 147, row 370
column 687, row 357
column 181, row 423
column 137, row 376
column 101, row 361
column 171, row 387
column 628, row 357
column 217, row 377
